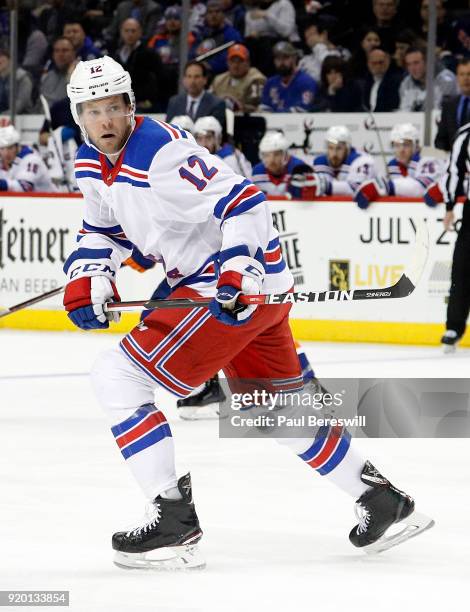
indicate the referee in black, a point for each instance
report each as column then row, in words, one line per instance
column 454, row 183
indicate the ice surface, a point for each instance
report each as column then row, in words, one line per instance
column 275, row 532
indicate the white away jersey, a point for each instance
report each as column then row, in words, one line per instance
column 27, row 173
column 412, row 180
column 356, row 168
column 178, row 204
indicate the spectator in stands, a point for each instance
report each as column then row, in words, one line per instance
column 291, row 90
column 32, row 44
column 343, row 168
column 462, row 44
column 380, row 88
column 317, row 34
column 338, row 93
column 242, row 85
column 144, row 66
column 196, row 102
column 413, row 86
column 208, row 133
column 387, row 22
column 24, row 86
column 22, row 169
column 445, row 33
column 403, row 41
column 167, row 41
column 369, row 39
column 455, row 109
column 83, row 45
column 217, row 31
column 273, row 174
column 266, row 26
column 52, row 16
column 147, row 13
column 53, row 85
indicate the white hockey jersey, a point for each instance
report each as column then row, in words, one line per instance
column 27, row 173
column 235, row 159
column 411, row 181
column 356, row 168
column 275, row 185
column 178, row 204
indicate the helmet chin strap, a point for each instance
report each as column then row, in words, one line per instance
column 93, row 146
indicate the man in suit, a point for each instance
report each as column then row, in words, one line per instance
column 196, row 102
column 380, row 87
column 455, row 109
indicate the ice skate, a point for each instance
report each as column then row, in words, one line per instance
column 381, row 508
column 449, row 341
column 166, row 538
column 203, row 405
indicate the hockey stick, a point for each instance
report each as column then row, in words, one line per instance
column 47, row 114
column 405, row 285
column 208, row 54
column 375, row 127
column 31, row 302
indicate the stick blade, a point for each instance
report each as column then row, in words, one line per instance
column 415, row 268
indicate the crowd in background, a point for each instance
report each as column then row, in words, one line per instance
column 294, row 55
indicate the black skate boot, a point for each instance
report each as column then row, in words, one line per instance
column 167, row 536
column 203, row 405
column 449, row 341
column 381, row 507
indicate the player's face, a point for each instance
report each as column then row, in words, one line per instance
column 275, row 162
column 208, row 140
column 404, row 151
column 107, row 122
column 8, row 154
column 336, row 153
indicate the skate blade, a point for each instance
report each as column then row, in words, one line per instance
column 162, row 559
column 199, row 413
column 411, row 526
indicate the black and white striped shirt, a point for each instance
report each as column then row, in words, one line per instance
column 452, row 184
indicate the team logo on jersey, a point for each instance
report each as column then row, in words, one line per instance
column 175, row 273
column 339, row 274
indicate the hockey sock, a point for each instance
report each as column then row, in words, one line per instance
column 146, row 444
column 331, row 455
column 307, row 371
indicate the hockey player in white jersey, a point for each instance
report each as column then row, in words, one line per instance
column 409, row 173
column 281, row 174
column 22, row 169
column 208, row 133
column 148, row 184
column 343, row 167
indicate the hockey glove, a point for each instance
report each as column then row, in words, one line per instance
column 84, row 299
column 239, row 275
column 370, row 191
column 308, row 185
column 433, row 195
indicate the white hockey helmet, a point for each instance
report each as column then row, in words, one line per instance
column 273, row 141
column 9, row 136
column 404, row 131
column 208, row 124
column 96, row 79
column 337, row 134
column 185, row 122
